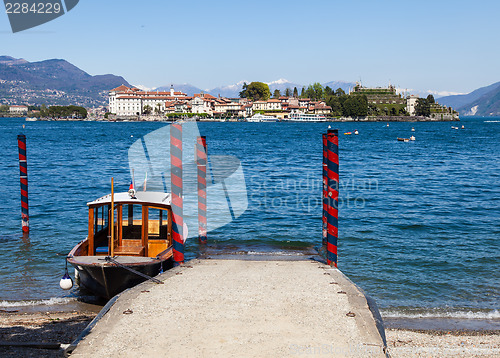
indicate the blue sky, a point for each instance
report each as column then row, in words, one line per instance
column 444, row 46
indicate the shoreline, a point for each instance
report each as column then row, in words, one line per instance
column 62, row 324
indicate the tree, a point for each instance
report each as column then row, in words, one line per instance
column 4, row 108
column 328, row 91
column 295, row 92
column 288, row 92
column 430, row 99
column 355, row 106
column 334, row 102
column 393, row 111
column 423, row 107
column 243, row 93
column 303, row 92
column 147, row 109
column 277, row 93
column 258, row 91
column 339, row 92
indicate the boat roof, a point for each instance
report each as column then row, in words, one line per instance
column 141, row 197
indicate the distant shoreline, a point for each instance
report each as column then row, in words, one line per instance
column 162, row 119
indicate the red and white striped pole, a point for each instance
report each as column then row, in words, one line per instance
column 176, row 185
column 325, row 186
column 23, row 171
column 201, row 164
column 333, row 195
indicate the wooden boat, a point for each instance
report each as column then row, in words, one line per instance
column 138, row 245
column 403, row 139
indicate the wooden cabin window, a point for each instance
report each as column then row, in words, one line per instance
column 131, row 222
column 100, row 219
column 157, row 224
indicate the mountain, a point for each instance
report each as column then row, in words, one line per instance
column 346, row 86
column 230, row 91
column 486, row 105
column 53, row 82
column 282, row 85
column 185, row 87
column 484, row 101
column 458, row 101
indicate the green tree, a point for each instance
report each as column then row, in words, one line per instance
column 258, row 91
column 328, row 92
column 303, row 92
column 334, row 102
column 4, row 108
column 277, row 93
column 430, row 99
column 288, row 92
column 147, row 109
column 243, row 93
column 355, row 106
column 295, row 92
column 339, row 92
column 423, row 107
column 393, row 111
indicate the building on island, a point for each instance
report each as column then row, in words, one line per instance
column 411, row 103
column 18, row 109
column 130, row 101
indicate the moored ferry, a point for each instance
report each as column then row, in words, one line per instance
column 303, row 117
column 262, row 118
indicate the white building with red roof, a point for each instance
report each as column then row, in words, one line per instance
column 126, row 101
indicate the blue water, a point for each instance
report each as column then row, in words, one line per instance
column 419, row 222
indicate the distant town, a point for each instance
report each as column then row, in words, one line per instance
column 360, row 103
column 129, row 103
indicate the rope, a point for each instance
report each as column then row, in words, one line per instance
column 109, row 259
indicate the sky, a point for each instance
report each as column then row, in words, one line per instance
column 440, row 46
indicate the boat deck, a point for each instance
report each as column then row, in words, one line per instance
column 124, row 260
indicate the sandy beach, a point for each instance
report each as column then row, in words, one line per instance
column 57, row 328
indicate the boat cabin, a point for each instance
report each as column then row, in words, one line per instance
column 142, row 224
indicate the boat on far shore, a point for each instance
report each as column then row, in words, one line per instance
column 303, row 117
column 262, row 118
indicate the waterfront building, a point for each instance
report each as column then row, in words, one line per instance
column 380, row 95
column 126, row 101
column 18, row 109
column 411, row 103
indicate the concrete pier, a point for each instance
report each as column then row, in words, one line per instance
column 245, row 308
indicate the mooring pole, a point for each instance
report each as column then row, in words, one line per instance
column 325, row 190
column 201, row 163
column 176, row 185
column 23, row 171
column 333, row 195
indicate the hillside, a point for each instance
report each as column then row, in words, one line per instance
column 484, row 101
column 52, row 82
column 462, row 100
column 486, row 105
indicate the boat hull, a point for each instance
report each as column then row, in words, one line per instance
column 107, row 280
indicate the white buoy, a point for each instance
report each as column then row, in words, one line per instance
column 412, row 137
column 463, row 127
column 356, row 132
column 412, row 129
column 329, row 127
column 66, row 282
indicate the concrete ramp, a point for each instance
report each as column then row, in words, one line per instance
column 240, row 308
